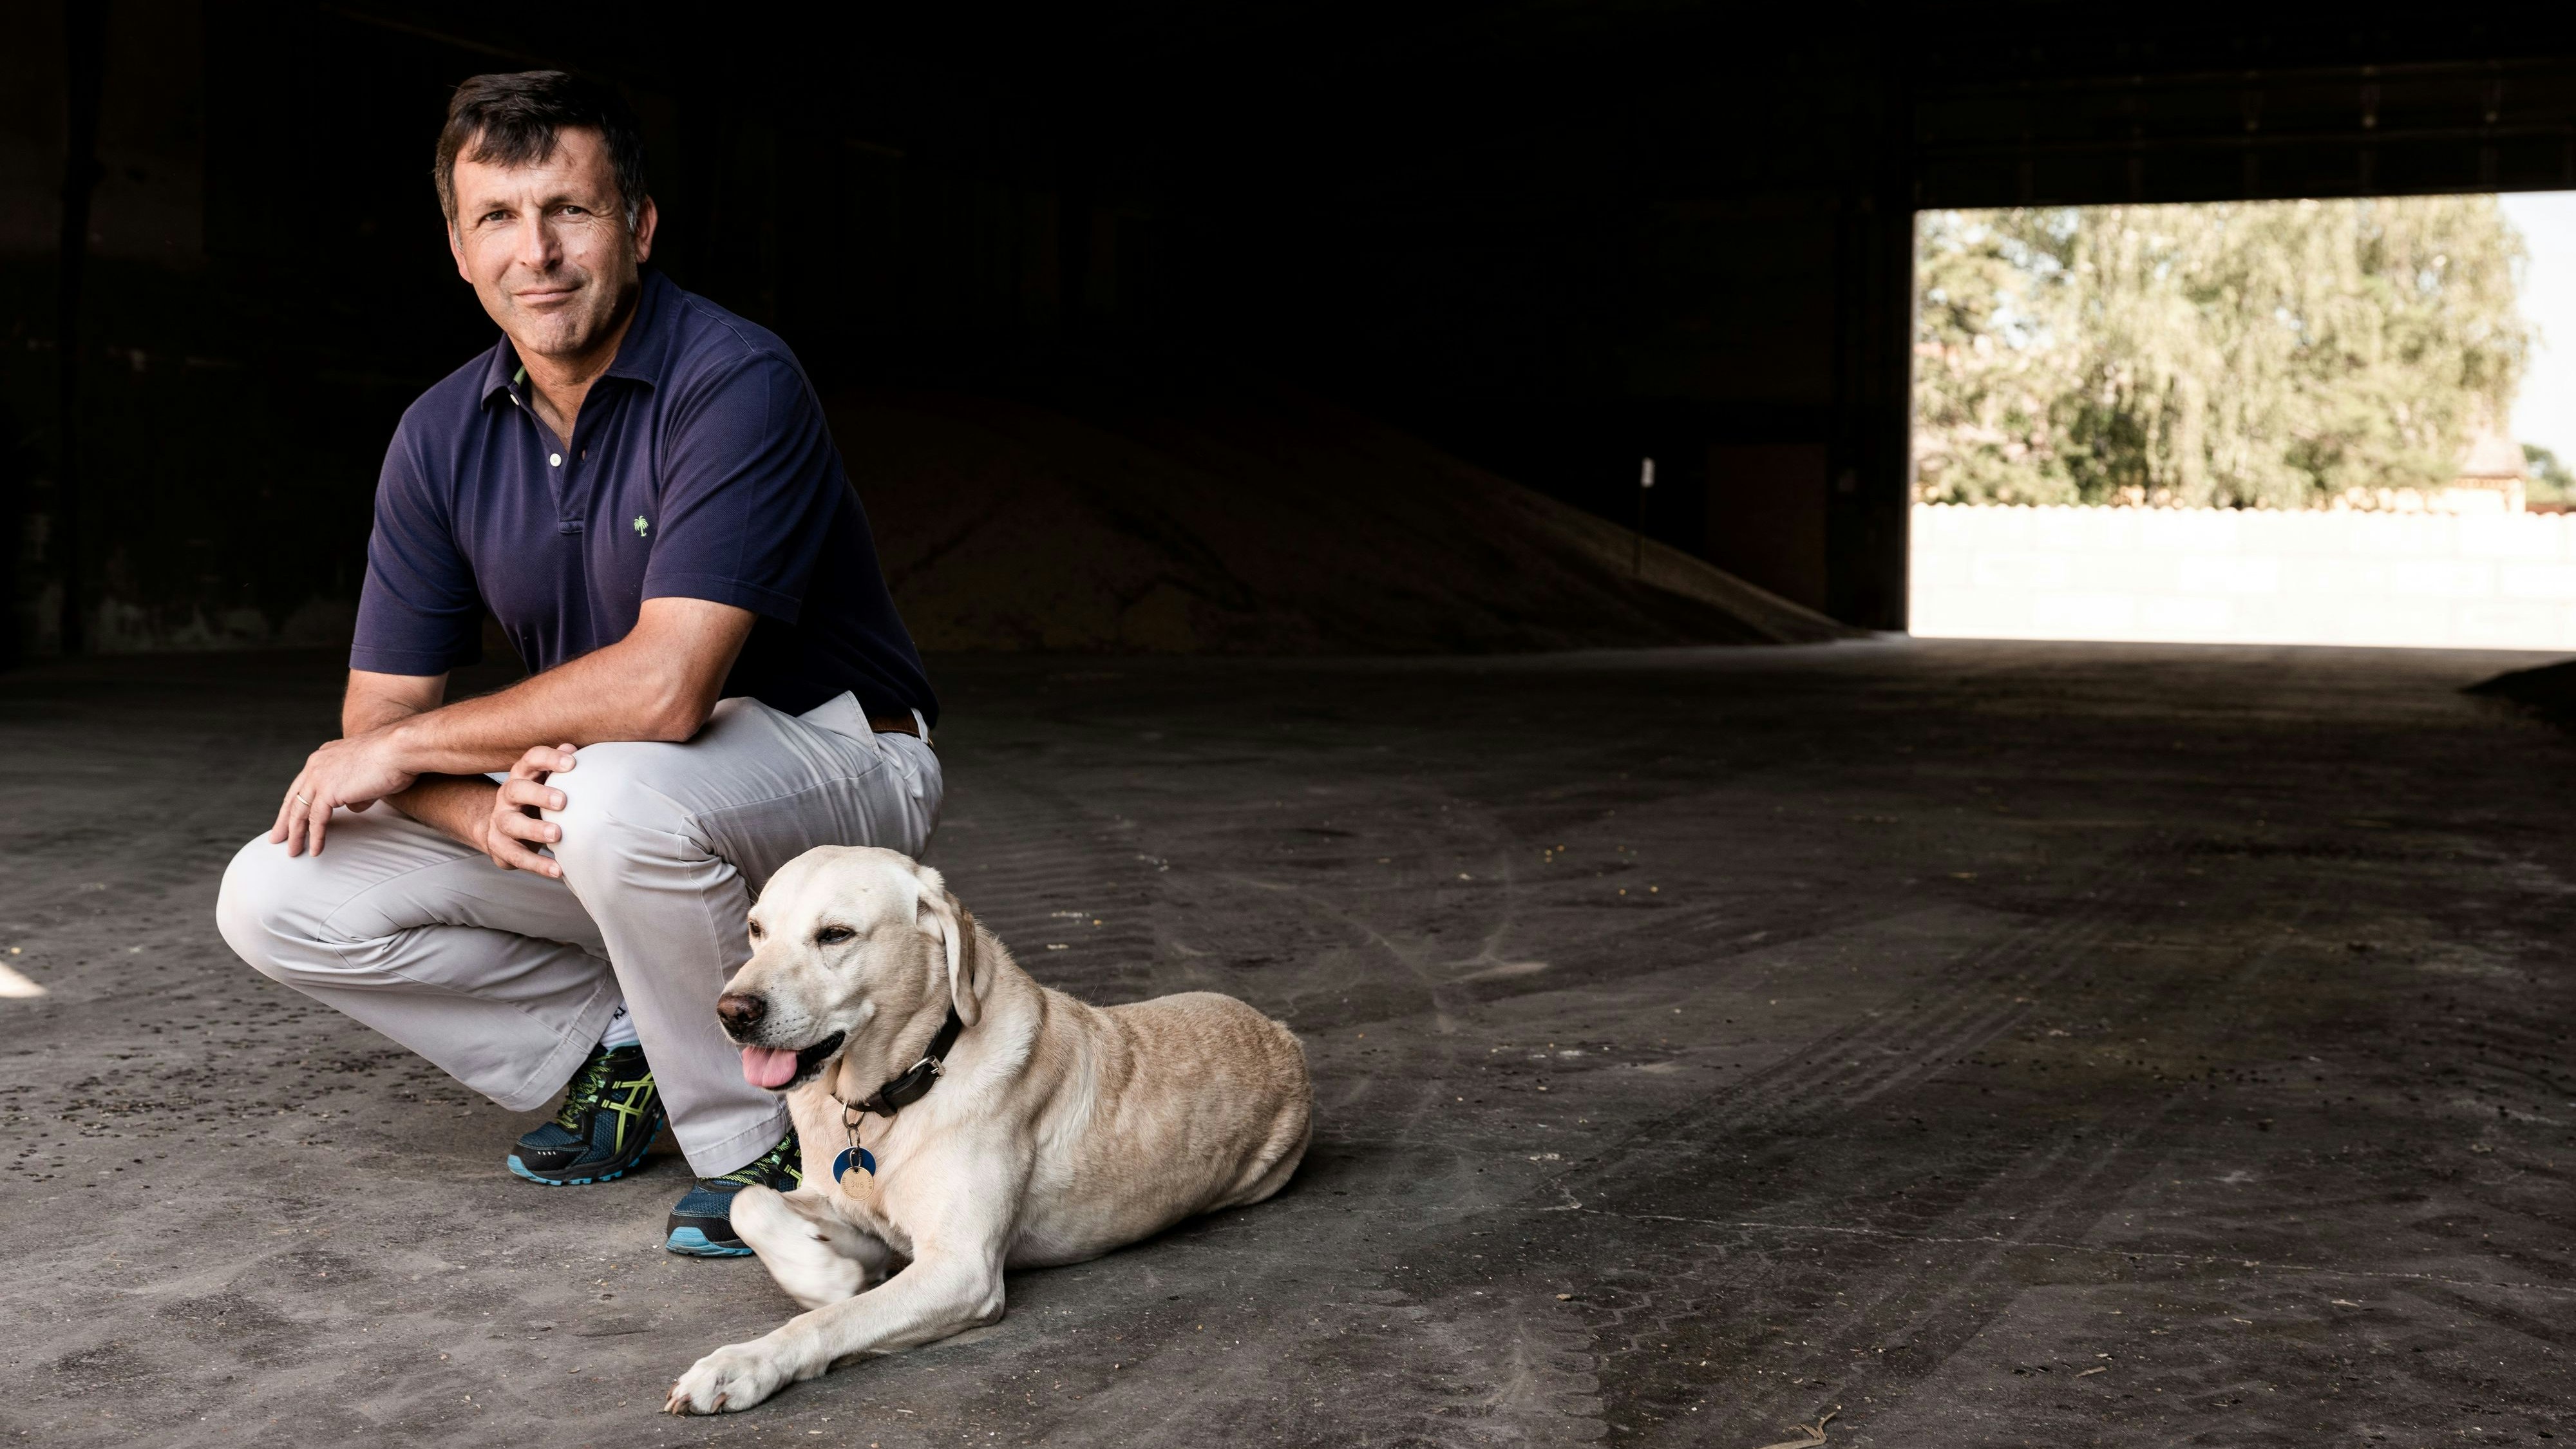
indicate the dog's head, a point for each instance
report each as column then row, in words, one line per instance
column 850, row 945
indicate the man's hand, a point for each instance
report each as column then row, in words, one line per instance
column 514, row 832
column 356, row 772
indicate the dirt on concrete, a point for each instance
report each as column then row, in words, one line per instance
column 1244, row 517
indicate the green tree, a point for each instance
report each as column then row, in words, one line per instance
column 2550, row 477
column 2256, row 354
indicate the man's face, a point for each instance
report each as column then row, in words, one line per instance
column 547, row 246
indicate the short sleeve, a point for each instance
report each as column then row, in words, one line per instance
column 749, row 485
column 418, row 612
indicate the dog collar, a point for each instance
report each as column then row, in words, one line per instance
column 916, row 1081
column 897, row 1094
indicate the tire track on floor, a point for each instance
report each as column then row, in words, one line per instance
column 1894, row 1295
column 1654, row 1181
column 1039, row 871
column 1974, row 1001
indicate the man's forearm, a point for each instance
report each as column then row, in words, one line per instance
column 454, row 806
column 458, row 807
column 658, row 683
column 584, row 702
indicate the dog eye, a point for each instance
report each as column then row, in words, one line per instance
column 833, row 935
column 756, row 932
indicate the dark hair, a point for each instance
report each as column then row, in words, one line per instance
column 511, row 120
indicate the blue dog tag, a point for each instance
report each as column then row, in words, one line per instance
column 849, row 1155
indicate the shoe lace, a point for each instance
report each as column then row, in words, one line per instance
column 591, row 1087
column 768, row 1167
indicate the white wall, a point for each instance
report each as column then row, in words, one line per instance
column 2497, row 581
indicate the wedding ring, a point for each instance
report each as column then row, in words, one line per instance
column 300, row 800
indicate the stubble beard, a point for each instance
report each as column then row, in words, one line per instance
column 571, row 331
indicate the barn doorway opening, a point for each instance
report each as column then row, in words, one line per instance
column 2286, row 422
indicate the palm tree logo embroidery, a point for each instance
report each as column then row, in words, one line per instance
column 640, row 525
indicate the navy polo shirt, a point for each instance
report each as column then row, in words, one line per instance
column 700, row 468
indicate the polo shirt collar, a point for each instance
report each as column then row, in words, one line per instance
column 643, row 355
column 501, row 371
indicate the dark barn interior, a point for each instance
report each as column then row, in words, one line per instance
column 1726, row 1013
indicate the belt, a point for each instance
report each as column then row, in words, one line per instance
column 895, row 724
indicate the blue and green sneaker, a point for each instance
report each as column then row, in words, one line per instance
column 611, row 1114
column 701, row 1223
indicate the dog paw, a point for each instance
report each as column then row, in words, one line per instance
column 731, row 1379
column 809, row 1252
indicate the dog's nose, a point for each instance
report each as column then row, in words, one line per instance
column 741, row 1010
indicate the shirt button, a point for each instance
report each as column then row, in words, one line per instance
column 554, row 460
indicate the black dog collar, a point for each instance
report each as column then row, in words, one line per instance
column 917, row 1079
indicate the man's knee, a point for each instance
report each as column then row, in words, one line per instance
column 257, row 909
column 614, row 801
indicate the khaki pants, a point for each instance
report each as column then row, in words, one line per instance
column 506, row 979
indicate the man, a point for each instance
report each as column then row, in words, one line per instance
column 640, row 487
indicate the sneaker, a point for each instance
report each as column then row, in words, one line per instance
column 611, row 1114
column 701, row 1223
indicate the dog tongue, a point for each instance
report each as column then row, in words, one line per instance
column 768, row 1066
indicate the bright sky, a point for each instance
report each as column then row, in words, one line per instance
column 2545, row 413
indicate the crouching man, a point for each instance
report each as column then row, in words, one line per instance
column 546, row 888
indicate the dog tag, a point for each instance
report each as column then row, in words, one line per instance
column 849, row 1156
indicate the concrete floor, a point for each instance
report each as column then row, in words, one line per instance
column 1986, row 1043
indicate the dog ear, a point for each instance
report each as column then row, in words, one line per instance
column 943, row 917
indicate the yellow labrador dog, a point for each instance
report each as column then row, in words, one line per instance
column 978, row 1120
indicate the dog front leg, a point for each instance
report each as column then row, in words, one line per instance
column 939, row 1295
column 816, row 1255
